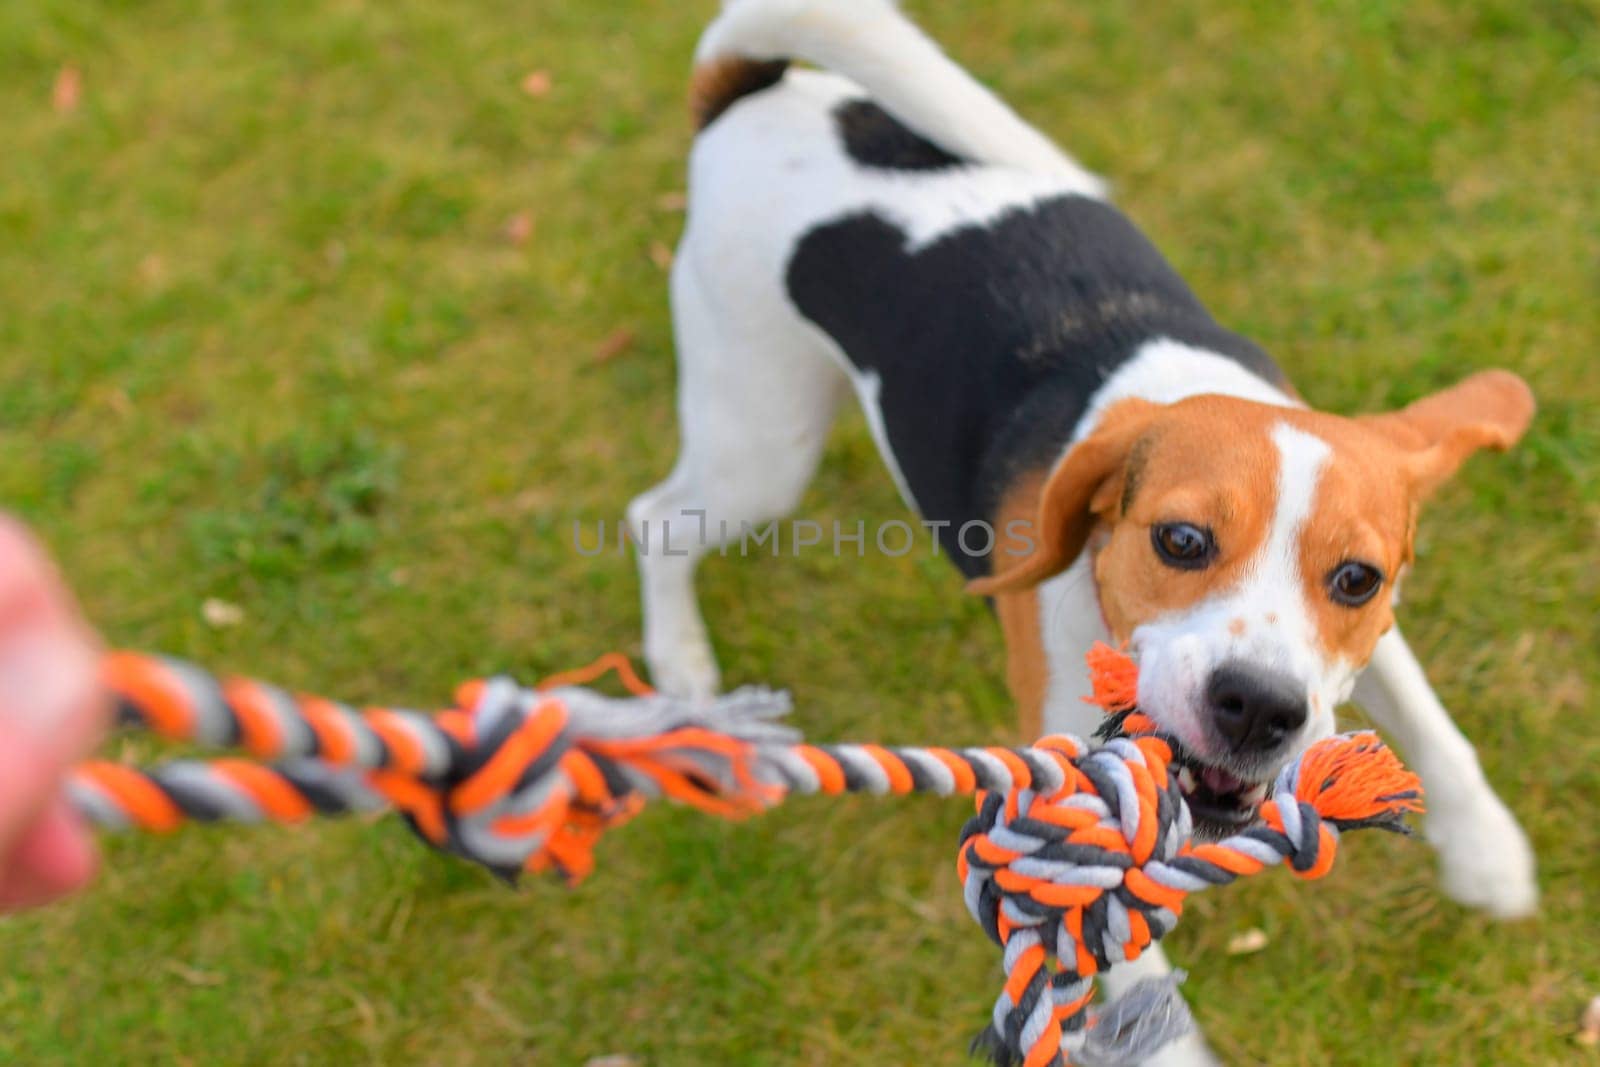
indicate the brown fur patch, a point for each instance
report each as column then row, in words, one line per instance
column 715, row 85
column 1027, row 670
column 1133, row 470
column 1356, row 514
column 1208, row 461
column 1084, row 487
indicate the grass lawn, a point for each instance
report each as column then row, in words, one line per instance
column 268, row 335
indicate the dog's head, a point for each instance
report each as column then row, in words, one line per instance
column 1248, row 554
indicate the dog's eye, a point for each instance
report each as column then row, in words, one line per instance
column 1352, row 583
column 1183, row 545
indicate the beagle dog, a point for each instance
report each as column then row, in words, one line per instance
column 1029, row 364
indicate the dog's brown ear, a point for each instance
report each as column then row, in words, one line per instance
column 1071, row 495
column 1436, row 434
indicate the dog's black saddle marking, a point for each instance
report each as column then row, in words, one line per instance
column 990, row 342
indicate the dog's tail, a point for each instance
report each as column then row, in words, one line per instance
column 747, row 47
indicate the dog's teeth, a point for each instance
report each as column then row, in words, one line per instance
column 1255, row 794
column 1186, row 779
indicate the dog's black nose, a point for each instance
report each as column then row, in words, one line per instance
column 1255, row 709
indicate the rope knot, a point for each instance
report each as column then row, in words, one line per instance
column 1061, row 882
column 514, row 779
column 541, row 775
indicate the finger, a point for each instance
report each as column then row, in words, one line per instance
column 55, row 857
column 31, row 589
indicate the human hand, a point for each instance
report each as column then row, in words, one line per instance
column 52, row 711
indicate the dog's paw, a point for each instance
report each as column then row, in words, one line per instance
column 1485, row 861
column 684, row 668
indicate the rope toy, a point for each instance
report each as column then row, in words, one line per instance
column 1072, row 882
column 1079, row 856
column 509, row 778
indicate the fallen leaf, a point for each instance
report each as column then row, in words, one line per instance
column 519, row 228
column 536, row 498
column 676, row 200
column 220, row 614
column 536, row 82
column 616, row 342
column 1247, row 941
column 363, row 1008
column 192, row 975
column 497, row 1011
column 1570, row 691
column 661, row 255
column 67, row 92
column 153, row 269
column 1589, row 1028
column 119, row 401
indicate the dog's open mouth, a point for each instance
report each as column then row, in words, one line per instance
column 1220, row 801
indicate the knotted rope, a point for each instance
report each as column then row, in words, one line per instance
column 1073, row 882
column 510, row 778
column 1079, row 856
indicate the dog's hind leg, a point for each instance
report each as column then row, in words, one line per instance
column 1484, row 857
column 756, row 397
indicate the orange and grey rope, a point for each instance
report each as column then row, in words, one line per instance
column 511, row 778
column 1079, row 857
column 1074, row 883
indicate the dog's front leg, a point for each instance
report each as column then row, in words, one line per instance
column 1189, row 1050
column 1484, row 857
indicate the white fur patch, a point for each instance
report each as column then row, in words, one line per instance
column 775, row 168
column 1165, row 371
column 871, row 42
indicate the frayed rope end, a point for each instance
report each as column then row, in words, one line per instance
column 1148, row 1017
column 991, row 1047
column 1356, row 780
column 1113, row 677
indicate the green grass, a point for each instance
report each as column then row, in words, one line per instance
column 262, row 338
